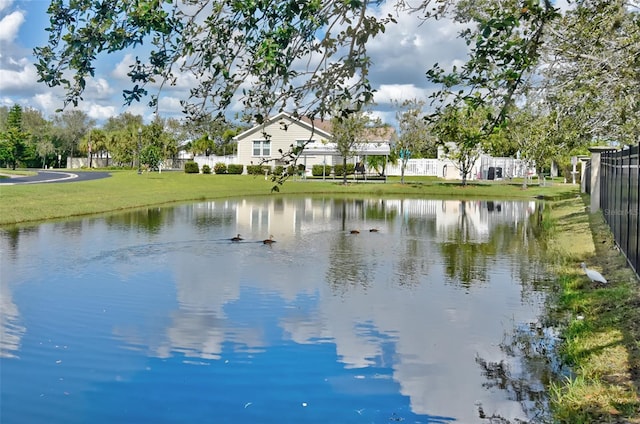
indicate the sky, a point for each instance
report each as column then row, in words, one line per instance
column 401, row 57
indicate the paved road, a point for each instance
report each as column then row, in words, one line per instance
column 54, row 177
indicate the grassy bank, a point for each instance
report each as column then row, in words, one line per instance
column 126, row 190
column 8, row 173
column 601, row 325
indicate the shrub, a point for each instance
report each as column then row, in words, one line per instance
column 316, row 170
column 235, row 169
column 220, row 168
column 339, row 169
column 206, row 169
column 258, row 169
column 278, row 170
column 191, row 167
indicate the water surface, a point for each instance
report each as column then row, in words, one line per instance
column 155, row 316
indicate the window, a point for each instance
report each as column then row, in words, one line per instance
column 261, row 148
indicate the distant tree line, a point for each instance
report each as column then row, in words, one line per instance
column 30, row 140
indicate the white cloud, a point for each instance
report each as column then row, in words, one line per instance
column 407, row 49
column 98, row 88
column 140, row 108
column 47, row 101
column 5, row 4
column 387, row 117
column 22, row 76
column 123, row 67
column 10, row 25
column 51, row 102
column 184, row 80
column 170, row 105
column 7, row 101
column 98, row 112
column 387, row 93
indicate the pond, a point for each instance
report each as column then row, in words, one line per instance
column 156, row 316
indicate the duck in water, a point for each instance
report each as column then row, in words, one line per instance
column 236, row 238
column 270, row 240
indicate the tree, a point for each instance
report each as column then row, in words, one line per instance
column 177, row 131
column 203, row 145
column 4, row 112
column 121, row 147
column 44, row 149
column 591, row 69
column 71, row 126
column 122, row 138
column 151, row 156
column 94, row 143
column 505, row 39
column 159, row 144
column 525, row 132
column 349, row 129
column 461, row 131
column 414, row 131
column 223, row 44
column 40, row 131
column 13, row 139
column 379, row 163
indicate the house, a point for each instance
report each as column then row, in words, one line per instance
column 264, row 142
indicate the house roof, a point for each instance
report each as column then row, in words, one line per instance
column 380, row 134
column 376, row 134
column 321, row 127
column 316, row 125
column 360, row 149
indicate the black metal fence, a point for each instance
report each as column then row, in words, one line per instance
column 620, row 199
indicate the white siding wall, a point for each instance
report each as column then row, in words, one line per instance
column 280, row 139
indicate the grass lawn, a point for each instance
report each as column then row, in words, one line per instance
column 126, row 190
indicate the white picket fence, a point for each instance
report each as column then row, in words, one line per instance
column 486, row 167
column 418, row 167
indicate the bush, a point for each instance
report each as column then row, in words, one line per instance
column 235, row 169
column 220, row 168
column 316, row 170
column 351, row 168
column 191, row 168
column 258, row 169
column 278, row 170
column 206, row 169
column 339, row 169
